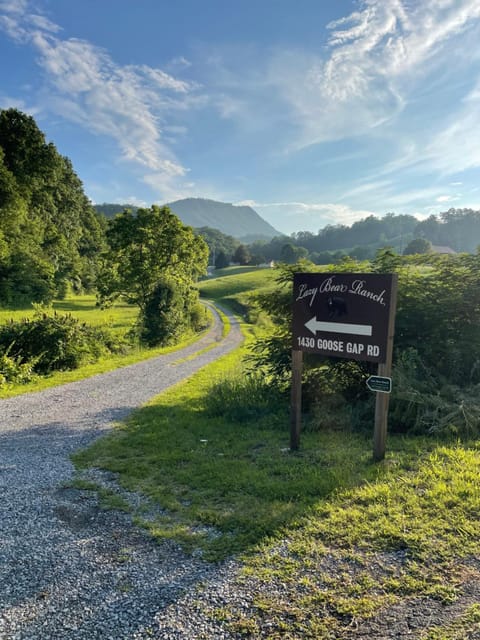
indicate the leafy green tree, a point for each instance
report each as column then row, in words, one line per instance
column 242, row 255
column 217, row 242
column 153, row 261
column 417, row 245
column 45, row 217
column 221, row 260
column 361, row 252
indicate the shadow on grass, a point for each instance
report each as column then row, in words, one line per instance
column 226, row 487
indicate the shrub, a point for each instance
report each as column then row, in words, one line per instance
column 13, row 371
column 54, row 342
column 198, row 317
column 163, row 319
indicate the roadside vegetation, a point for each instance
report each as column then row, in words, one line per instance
column 331, row 536
column 64, row 326
column 327, row 538
column 53, row 243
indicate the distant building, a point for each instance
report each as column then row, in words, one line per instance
column 438, row 249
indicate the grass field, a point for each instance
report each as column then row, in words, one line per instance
column 230, row 282
column 332, row 536
column 234, row 286
column 118, row 319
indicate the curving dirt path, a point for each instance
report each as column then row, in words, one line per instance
column 67, row 568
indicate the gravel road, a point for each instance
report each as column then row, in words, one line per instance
column 69, row 569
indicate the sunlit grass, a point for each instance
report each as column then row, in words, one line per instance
column 119, row 318
column 229, row 285
column 333, row 537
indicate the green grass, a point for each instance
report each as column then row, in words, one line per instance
column 227, row 285
column 239, row 480
column 459, row 629
column 118, row 319
column 233, row 271
column 338, row 536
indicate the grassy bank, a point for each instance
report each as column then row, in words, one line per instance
column 227, row 484
column 235, row 286
column 118, row 319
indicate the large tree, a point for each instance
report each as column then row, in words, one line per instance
column 153, row 261
column 50, row 235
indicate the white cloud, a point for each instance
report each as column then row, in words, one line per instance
column 127, row 103
column 375, row 64
column 310, row 214
column 383, row 51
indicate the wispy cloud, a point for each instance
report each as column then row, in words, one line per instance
column 377, row 57
column 308, row 214
column 376, row 62
column 130, row 104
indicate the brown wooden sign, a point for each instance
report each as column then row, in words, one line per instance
column 347, row 315
column 342, row 314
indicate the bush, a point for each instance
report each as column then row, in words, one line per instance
column 13, row 371
column 436, row 368
column 242, row 397
column 54, row 342
column 198, row 317
column 163, row 319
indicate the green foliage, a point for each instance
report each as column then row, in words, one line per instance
column 153, row 261
column 458, row 229
column 199, row 318
column 26, row 277
column 436, row 350
column 170, row 311
column 53, row 343
column 221, row 260
column 218, row 244
column 241, row 255
column 50, row 235
column 242, row 396
column 14, row 371
column 417, row 245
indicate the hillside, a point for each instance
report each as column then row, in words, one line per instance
column 242, row 223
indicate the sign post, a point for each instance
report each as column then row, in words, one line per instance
column 385, row 370
column 296, row 399
column 345, row 315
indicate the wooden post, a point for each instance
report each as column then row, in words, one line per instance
column 385, row 370
column 296, row 400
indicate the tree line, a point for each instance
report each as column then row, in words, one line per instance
column 52, row 241
column 455, row 229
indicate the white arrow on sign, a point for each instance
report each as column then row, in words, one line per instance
column 315, row 325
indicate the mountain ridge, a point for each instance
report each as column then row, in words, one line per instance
column 240, row 221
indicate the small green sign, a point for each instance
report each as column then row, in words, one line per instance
column 379, row 383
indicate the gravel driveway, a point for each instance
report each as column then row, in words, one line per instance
column 69, row 569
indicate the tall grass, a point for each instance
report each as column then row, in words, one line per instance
column 119, row 318
column 328, row 538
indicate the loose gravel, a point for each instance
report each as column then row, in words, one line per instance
column 69, row 569
column 72, row 570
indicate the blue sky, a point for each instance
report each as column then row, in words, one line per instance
column 315, row 112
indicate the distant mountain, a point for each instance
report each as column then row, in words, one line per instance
column 239, row 222
column 242, row 223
